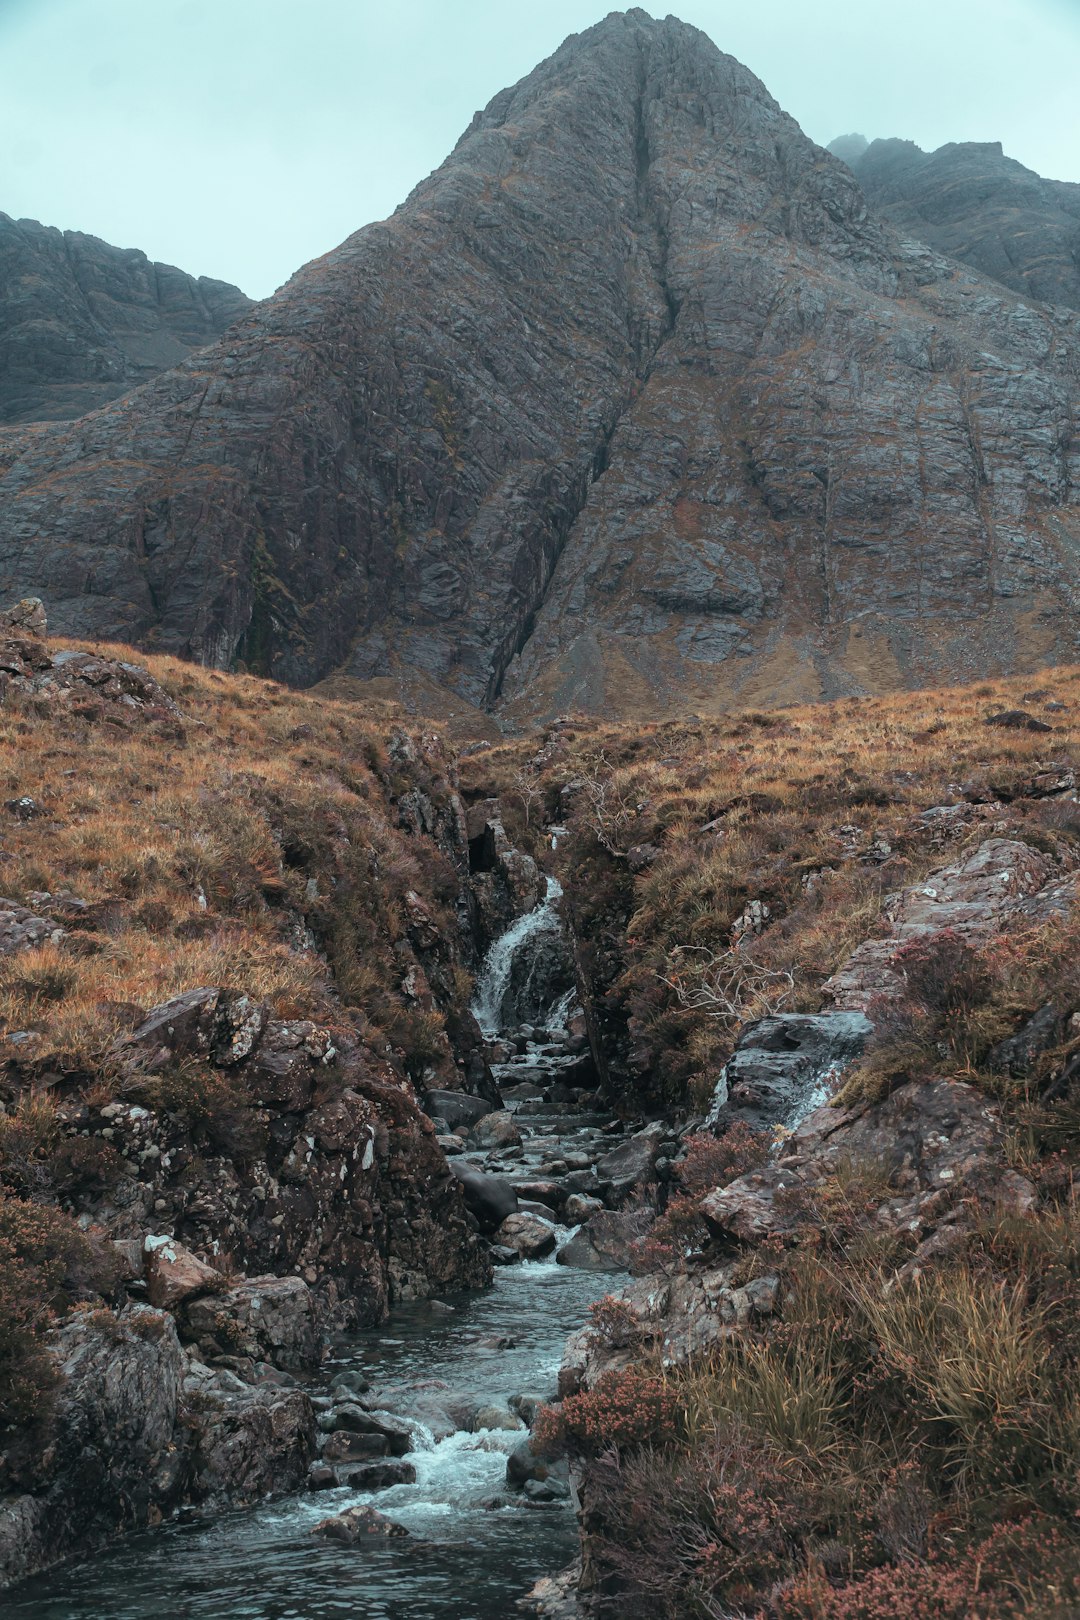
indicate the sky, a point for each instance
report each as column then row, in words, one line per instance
column 240, row 138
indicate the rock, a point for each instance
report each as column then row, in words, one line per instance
column 106, row 1464
column 174, row 1274
column 631, row 1165
column 1017, row 1054
column 523, row 1464
column 974, row 896
column 1018, row 720
column 270, row 1318
column 931, row 1135
column 496, row 1417
column 251, row 1442
column 495, row 1131
column 546, row 1490
column 530, row 1236
column 606, row 1240
column 579, row 1207
column 344, row 1445
column 490, row 1198
column 352, row 1380
column 22, row 930
column 183, row 1026
column 27, row 617
column 356, row 1523
column 527, row 1406
column 455, row 1107
column 785, row 1066
column 375, row 1476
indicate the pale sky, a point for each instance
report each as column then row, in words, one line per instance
column 240, row 138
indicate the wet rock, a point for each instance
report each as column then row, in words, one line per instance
column 495, row 1131
column 546, row 1490
column 353, row 1380
column 496, row 1417
column 490, row 1198
column 530, row 1236
column 455, row 1107
column 174, row 1274
column 523, row 1464
column 527, row 1406
column 579, row 1207
column 606, row 1240
column 785, row 1065
column 344, row 1445
column 321, row 1477
column 356, row 1523
column 375, row 1476
column 631, row 1166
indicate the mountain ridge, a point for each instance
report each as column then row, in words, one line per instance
column 82, row 321
column 632, row 403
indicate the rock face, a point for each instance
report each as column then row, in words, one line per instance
column 634, row 402
column 969, row 200
column 82, row 322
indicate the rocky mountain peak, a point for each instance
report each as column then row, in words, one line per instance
column 634, row 403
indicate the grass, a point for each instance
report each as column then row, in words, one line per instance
column 677, row 827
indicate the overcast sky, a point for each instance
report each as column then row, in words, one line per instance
column 239, row 138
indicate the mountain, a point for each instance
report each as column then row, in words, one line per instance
column 82, row 322
column 969, row 200
column 633, row 404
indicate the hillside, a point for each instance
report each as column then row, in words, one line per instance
column 82, row 322
column 843, row 1381
column 634, row 404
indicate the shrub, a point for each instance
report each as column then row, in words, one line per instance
column 625, row 1409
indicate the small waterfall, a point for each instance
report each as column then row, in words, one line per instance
column 491, row 987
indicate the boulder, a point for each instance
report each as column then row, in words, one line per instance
column 605, row 1242
column 174, row 1274
column 455, row 1107
column 355, row 1523
column 270, row 1318
column 632, row 1164
column 495, row 1131
column 495, row 1417
column 490, row 1198
column 579, row 1207
column 529, row 1235
column 785, row 1066
column 375, row 1476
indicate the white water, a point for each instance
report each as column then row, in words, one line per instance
column 495, row 973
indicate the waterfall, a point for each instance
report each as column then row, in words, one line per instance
column 494, row 978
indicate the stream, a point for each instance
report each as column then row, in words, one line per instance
column 474, row 1549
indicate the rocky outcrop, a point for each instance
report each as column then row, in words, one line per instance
column 321, row 1165
column 972, row 202
column 137, row 1430
column 633, row 403
column 82, row 322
